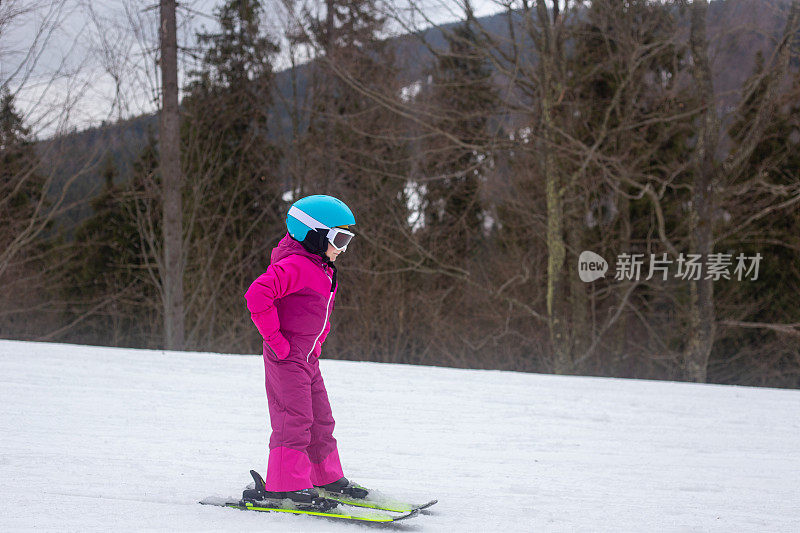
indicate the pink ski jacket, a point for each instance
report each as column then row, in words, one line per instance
column 291, row 303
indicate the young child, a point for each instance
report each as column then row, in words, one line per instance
column 291, row 304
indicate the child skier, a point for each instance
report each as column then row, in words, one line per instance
column 291, row 304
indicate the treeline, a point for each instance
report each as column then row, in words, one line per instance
column 476, row 185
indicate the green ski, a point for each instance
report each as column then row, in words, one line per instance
column 375, row 501
column 284, row 506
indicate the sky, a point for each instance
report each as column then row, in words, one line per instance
column 77, row 63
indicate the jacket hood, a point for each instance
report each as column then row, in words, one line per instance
column 288, row 246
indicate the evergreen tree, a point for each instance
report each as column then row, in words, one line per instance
column 21, row 185
column 453, row 159
column 354, row 149
column 347, row 151
column 625, row 100
column 23, row 225
column 232, row 90
column 234, row 189
column 757, row 355
column 459, row 156
column 110, row 281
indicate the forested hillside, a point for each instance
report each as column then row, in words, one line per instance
column 481, row 158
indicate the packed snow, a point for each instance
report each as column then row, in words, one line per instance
column 101, row 439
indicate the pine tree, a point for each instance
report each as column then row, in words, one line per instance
column 757, row 356
column 344, row 143
column 459, row 157
column 24, row 224
column 21, row 185
column 231, row 163
column 453, row 158
column 624, row 94
column 110, row 278
column 354, row 150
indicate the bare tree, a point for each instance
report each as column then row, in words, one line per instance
column 714, row 174
column 40, row 93
column 172, row 181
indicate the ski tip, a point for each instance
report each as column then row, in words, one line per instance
column 410, row 514
column 430, row 503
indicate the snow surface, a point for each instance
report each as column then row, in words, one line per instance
column 100, row 439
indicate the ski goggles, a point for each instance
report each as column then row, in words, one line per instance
column 338, row 237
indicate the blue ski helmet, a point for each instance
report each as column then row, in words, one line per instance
column 310, row 218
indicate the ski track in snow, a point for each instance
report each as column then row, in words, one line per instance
column 100, row 439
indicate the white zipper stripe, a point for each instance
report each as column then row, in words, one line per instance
column 324, row 323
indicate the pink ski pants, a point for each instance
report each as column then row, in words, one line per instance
column 302, row 450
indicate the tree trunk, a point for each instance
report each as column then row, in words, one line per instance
column 329, row 166
column 556, row 253
column 579, row 333
column 170, row 165
column 701, row 292
column 547, row 46
column 622, row 332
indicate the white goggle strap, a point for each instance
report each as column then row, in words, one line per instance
column 306, row 219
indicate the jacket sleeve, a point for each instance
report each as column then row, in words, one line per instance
column 279, row 280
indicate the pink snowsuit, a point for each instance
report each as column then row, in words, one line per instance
column 290, row 305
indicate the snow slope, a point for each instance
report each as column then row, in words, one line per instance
column 99, row 439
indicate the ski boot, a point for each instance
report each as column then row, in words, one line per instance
column 343, row 487
column 305, row 499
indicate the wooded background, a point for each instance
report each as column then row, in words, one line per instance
column 480, row 158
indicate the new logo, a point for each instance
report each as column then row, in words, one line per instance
column 591, row 266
